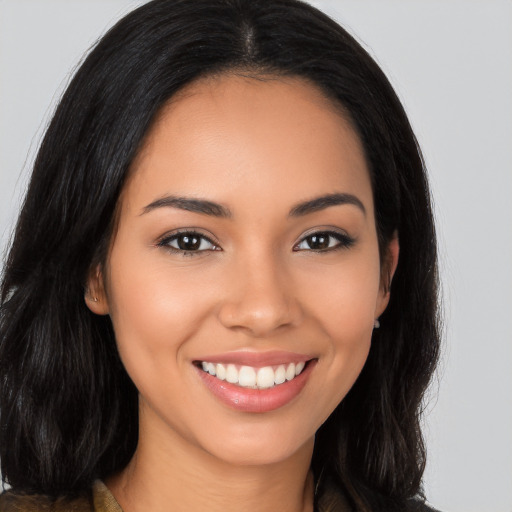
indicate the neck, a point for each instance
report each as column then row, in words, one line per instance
column 170, row 473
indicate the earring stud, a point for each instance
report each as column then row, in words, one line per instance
column 91, row 297
column 376, row 324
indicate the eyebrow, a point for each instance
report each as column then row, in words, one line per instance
column 206, row 207
column 189, row 204
column 323, row 202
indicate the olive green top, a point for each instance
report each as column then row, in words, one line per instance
column 102, row 500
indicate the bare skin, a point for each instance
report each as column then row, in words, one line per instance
column 256, row 268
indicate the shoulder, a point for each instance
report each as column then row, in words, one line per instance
column 98, row 499
column 11, row 501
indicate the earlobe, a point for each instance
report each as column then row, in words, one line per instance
column 95, row 296
column 388, row 271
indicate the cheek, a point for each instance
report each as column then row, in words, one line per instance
column 343, row 296
column 154, row 311
column 341, row 302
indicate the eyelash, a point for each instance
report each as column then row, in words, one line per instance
column 166, row 241
column 344, row 242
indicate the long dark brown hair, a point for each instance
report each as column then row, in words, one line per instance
column 68, row 410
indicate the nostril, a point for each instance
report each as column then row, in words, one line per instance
column 259, row 316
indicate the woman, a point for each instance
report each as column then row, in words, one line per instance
column 222, row 289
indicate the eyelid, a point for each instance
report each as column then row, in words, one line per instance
column 344, row 239
column 163, row 241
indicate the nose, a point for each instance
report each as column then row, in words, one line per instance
column 259, row 299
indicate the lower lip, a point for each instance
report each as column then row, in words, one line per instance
column 256, row 400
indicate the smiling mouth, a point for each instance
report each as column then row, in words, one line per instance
column 252, row 377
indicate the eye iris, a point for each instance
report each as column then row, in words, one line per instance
column 189, row 242
column 319, row 241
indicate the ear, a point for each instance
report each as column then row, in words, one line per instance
column 95, row 295
column 389, row 265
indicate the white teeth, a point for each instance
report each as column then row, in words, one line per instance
column 220, row 371
column 257, row 378
column 290, row 371
column 280, row 375
column 265, row 377
column 247, row 377
column 232, row 374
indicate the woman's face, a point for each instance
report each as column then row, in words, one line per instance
column 246, row 245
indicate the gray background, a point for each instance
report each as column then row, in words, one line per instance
column 451, row 63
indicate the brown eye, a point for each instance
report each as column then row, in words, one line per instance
column 318, row 241
column 323, row 241
column 188, row 242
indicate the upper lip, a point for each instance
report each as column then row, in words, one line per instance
column 256, row 359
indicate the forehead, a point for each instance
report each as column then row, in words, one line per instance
column 232, row 135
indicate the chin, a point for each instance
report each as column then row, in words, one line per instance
column 253, row 448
